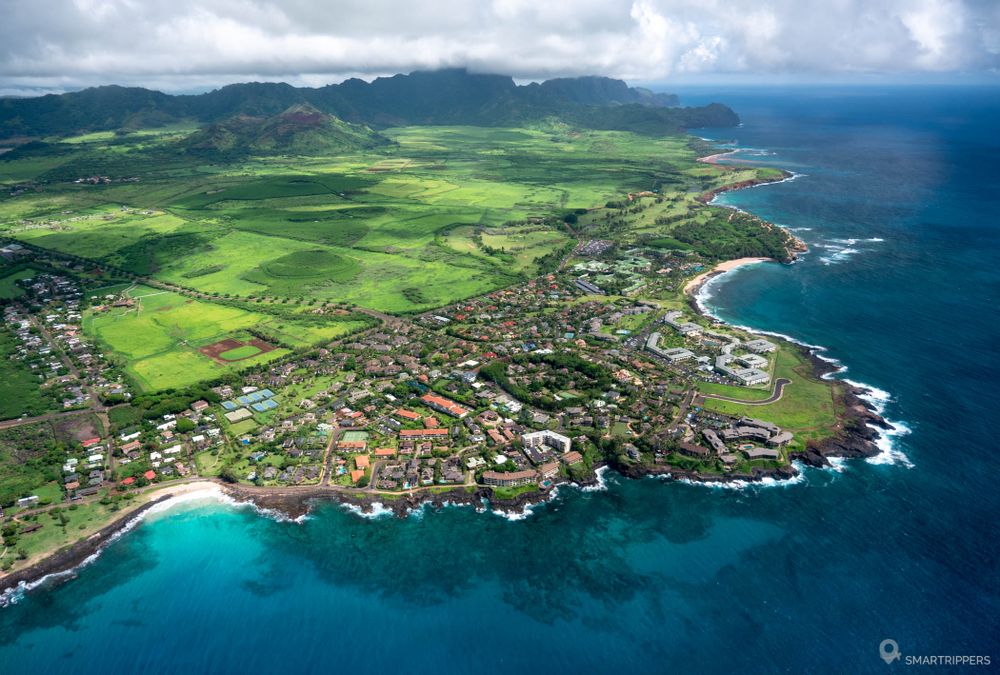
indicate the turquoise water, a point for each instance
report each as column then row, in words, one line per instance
column 650, row 576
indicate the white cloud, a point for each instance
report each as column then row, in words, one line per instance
column 184, row 44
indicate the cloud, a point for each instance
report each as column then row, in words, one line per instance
column 192, row 44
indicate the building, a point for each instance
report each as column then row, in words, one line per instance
column 511, row 479
column 752, row 361
column 413, row 434
column 759, row 346
column 588, row 287
column 751, row 376
column 780, row 440
column 692, row 450
column 761, row 453
column 714, row 441
column 550, row 438
column 444, row 405
column 571, row 458
column 678, row 354
column 685, row 328
column 549, row 470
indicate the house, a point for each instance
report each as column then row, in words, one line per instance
column 357, row 475
column 571, row 458
column 407, row 414
column 199, row 406
column 385, row 452
column 361, row 461
column 780, row 440
column 149, row 475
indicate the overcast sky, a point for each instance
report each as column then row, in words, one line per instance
column 186, row 45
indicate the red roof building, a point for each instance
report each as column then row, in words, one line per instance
column 149, row 475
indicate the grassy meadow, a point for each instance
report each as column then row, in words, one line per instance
column 443, row 214
column 158, row 339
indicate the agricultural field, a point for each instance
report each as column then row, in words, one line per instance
column 167, row 340
column 9, row 289
column 442, row 214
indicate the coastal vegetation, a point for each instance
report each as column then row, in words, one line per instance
column 298, row 295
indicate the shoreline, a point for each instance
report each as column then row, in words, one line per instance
column 861, row 420
column 61, row 564
column 857, row 439
column 695, row 283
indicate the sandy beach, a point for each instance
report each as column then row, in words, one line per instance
column 67, row 557
column 692, row 286
column 714, row 159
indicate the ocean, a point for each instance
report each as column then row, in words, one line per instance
column 898, row 196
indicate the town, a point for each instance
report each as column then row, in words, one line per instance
column 512, row 392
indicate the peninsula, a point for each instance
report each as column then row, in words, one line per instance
column 434, row 288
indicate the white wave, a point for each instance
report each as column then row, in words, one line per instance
column 839, row 256
column 799, row 229
column 601, row 485
column 887, row 443
column 378, row 510
column 768, row 482
column 890, row 453
column 837, row 464
column 214, row 493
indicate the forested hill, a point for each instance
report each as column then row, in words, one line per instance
column 436, row 97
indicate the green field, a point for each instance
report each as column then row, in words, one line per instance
column 240, row 353
column 21, row 393
column 160, row 337
column 445, row 213
column 8, row 284
column 806, row 407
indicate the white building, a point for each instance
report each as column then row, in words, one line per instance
column 759, row 346
column 550, row 438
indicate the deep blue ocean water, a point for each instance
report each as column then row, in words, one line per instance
column 899, row 200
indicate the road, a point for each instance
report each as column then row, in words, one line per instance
column 776, row 393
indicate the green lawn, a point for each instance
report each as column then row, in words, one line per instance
column 240, row 353
column 807, row 406
column 8, row 284
column 21, row 392
column 158, row 339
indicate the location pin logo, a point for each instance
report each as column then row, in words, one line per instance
column 889, row 650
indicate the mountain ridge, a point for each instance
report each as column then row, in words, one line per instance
column 452, row 96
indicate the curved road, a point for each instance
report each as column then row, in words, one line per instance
column 779, row 389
